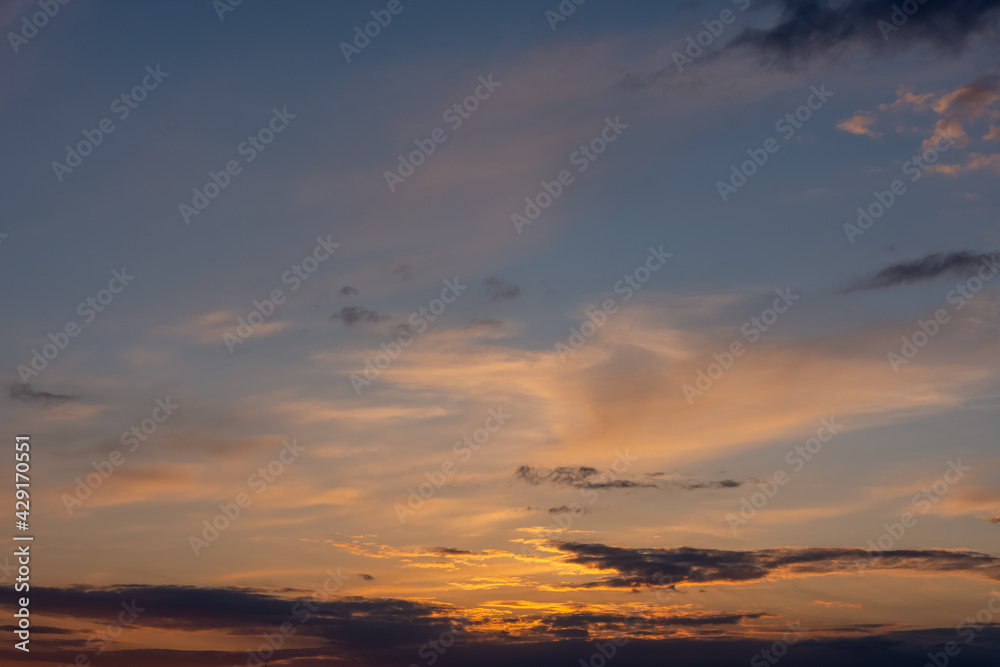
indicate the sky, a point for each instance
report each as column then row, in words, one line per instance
column 427, row 332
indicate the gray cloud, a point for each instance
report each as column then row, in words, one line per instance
column 655, row 567
column 826, row 28
column 351, row 315
column 449, row 551
column 22, row 391
column 584, row 477
column 566, row 509
column 347, row 290
column 499, row 290
column 938, row 265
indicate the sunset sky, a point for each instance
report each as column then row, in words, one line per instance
column 520, row 332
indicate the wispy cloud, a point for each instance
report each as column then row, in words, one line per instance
column 938, row 265
column 499, row 290
column 351, row 315
column 860, row 123
column 22, row 391
column 583, row 477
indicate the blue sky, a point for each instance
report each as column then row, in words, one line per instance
column 319, row 191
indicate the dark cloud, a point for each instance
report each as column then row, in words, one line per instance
column 22, row 391
column 448, row 551
column 498, row 289
column 351, row 315
column 346, row 622
column 40, row 629
column 367, row 577
column 569, row 645
column 347, row 290
column 655, row 567
column 584, row 477
column 380, row 632
column 938, row 265
column 808, row 29
column 403, row 271
column 995, row 519
column 602, row 621
column 859, row 628
column 567, row 509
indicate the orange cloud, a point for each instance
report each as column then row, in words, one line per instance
column 974, row 162
column 860, row 123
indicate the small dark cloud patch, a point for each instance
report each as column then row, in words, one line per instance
column 347, row 290
column 813, row 29
column 585, row 477
column 448, row 551
column 40, row 629
column 995, row 519
column 962, row 264
column 367, row 577
column 351, row 315
column 499, row 290
column 566, row 509
column 22, row 391
column 403, row 271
